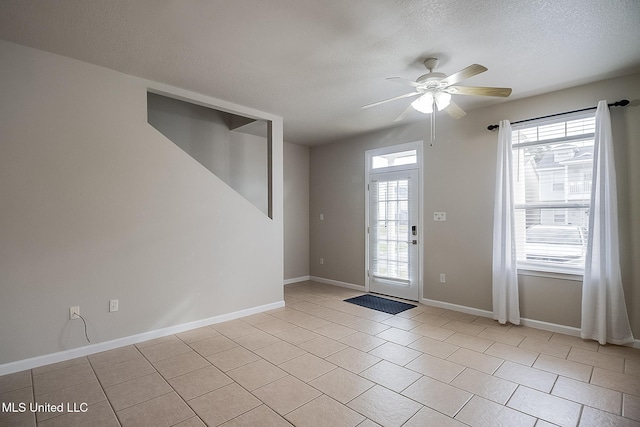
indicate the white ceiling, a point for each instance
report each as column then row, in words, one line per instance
column 316, row 62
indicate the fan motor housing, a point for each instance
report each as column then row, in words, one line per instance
column 431, row 63
column 430, row 80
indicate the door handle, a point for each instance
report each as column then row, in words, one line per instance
column 413, row 242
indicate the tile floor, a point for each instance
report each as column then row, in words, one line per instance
column 324, row 362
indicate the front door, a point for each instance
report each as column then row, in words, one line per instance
column 393, row 234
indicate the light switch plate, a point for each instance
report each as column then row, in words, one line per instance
column 439, row 216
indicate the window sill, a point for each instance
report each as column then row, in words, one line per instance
column 551, row 273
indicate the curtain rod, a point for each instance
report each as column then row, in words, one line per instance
column 621, row 103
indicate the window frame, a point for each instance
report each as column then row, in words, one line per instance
column 541, row 268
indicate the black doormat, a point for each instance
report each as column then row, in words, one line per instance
column 380, row 304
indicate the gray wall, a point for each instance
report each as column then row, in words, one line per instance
column 459, row 179
column 296, row 211
column 239, row 159
column 96, row 204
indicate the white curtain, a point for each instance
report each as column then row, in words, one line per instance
column 506, row 304
column 604, row 313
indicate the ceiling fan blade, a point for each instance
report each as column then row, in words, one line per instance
column 455, row 111
column 404, row 113
column 465, row 73
column 406, row 95
column 403, row 80
column 482, row 91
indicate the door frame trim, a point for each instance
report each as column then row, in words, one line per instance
column 369, row 154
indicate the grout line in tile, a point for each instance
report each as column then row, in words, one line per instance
column 103, row 388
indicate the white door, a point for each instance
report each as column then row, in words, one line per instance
column 393, row 234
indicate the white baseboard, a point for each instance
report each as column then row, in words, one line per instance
column 532, row 323
column 456, row 307
column 551, row 327
column 562, row 329
column 337, row 283
column 296, row 280
column 538, row 324
column 47, row 359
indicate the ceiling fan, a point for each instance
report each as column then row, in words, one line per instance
column 434, row 90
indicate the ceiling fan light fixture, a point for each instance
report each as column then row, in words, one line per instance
column 442, row 100
column 424, row 104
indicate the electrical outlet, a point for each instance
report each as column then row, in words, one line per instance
column 321, row 261
column 443, row 278
column 321, row 217
column 74, row 312
column 113, row 305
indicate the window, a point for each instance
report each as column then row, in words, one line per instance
column 553, row 163
column 394, row 159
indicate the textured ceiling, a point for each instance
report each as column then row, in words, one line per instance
column 316, row 62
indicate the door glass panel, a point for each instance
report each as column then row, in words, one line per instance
column 391, row 235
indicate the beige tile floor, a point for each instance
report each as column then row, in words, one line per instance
column 324, row 362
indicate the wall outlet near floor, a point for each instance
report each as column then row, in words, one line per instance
column 74, row 312
column 439, row 216
column 113, row 305
column 443, row 278
column 321, row 261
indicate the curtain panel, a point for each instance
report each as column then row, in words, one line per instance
column 506, row 303
column 604, row 313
